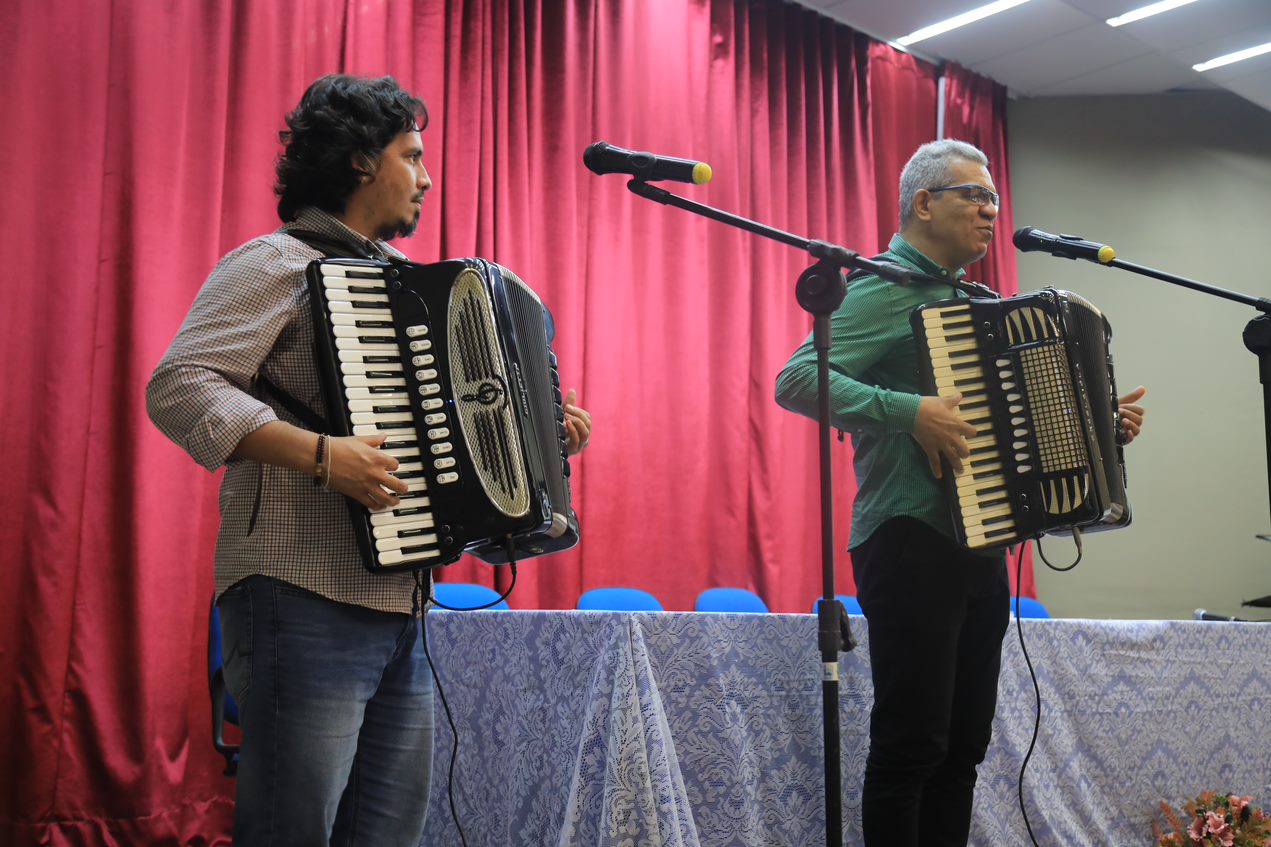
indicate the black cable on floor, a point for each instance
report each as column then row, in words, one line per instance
column 454, row 751
column 1037, row 694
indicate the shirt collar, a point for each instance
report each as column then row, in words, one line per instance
column 920, row 260
column 324, row 223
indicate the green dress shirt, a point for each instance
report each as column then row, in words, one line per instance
column 874, row 394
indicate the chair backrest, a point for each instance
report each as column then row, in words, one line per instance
column 619, row 599
column 224, row 709
column 466, row 595
column 729, row 600
column 849, row 601
column 1029, row 608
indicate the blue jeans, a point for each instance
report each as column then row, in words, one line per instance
column 336, row 706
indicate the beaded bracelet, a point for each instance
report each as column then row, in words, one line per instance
column 317, row 467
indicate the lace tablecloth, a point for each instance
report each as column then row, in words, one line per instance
column 613, row 729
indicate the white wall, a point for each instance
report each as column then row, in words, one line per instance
column 1180, row 183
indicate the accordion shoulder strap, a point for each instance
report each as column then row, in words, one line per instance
column 972, row 289
column 288, row 401
column 328, row 245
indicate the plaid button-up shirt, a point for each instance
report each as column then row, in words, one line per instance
column 253, row 314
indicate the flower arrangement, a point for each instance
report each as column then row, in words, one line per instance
column 1216, row 820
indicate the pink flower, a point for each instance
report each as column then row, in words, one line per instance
column 1220, row 829
column 1215, row 820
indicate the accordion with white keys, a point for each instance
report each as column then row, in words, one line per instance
column 1036, row 378
column 452, row 363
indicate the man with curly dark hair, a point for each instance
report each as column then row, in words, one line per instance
column 343, row 131
column 325, row 659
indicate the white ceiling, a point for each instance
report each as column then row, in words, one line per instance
column 1051, row 48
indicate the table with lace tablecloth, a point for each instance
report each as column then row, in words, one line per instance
column 696, row 729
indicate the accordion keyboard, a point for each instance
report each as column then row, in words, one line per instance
column 982, row 492
column 376, row 394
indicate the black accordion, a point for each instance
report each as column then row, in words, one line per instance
column 452, row 363
column 1036, row 377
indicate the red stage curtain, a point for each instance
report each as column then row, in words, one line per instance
column 139, row 148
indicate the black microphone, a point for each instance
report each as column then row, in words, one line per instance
column 1203, row 615
column 1031, row 238
column 603, row 158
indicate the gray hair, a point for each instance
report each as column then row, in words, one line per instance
column 929, row 168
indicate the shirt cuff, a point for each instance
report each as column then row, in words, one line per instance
column 216, row 437
column 900, row 410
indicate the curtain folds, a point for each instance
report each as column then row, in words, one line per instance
column 139, row 148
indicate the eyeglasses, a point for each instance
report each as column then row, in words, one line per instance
column 977, row 194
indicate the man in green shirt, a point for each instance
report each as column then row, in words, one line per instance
column 936, row 612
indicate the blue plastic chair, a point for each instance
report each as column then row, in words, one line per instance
column 619, row 599
column 466, row 595
column 224, row 709
column 1029, row 608
column 729, row 600
column 849, row 602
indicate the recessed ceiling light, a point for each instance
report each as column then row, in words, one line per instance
column 960, row 20
column 1147, row 12
column 1238, row 56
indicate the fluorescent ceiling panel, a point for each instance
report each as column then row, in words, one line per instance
column 1238, row 56
column 1147, row 12
column 958, row 21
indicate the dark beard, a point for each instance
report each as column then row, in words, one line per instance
column 401, row 229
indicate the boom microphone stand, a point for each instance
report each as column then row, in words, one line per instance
column 820, row 290
column 1256, row 336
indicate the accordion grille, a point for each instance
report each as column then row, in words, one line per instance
column 484, row 403
column 1049, row 389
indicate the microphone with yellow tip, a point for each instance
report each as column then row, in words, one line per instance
column 604, row 158
column 1031, row 239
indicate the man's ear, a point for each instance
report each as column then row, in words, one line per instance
column 922, row 204
column 363, row 166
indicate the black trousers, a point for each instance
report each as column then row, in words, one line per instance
column 937, row 614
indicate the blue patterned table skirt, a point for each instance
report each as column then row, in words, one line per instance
column 612, row 729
